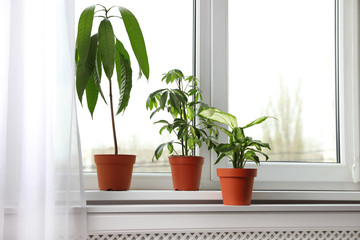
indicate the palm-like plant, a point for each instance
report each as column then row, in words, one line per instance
column 181, row 103
column 240, row 148
column 104, row 50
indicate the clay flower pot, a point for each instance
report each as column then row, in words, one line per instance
column 114, row 172
column 236, row 185
column 186, row 172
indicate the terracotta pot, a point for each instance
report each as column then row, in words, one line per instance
column 236, row 185
column 114, row 172
column 186, row 172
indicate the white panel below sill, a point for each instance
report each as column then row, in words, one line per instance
column 217, row 217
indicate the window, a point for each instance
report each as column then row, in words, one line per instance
column 332, row 170
column 167, row 29
column 283, row 65
column 334, row 65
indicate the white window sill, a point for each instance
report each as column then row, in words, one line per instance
column 154, row 196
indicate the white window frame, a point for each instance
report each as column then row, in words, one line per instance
column 211, row 69
column 300, row 176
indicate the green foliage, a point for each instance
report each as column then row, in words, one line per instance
column 240, row 148
column 104, row 50
column 183, row 103
column 105, row 47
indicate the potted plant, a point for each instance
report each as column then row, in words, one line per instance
column 237, row 182
column 181, row 103
column 104, row 50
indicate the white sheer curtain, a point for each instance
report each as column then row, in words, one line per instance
column 41, row 193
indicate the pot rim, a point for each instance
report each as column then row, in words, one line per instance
column 180, row 156
column 111, row 154
column 236, row 172
column 120, row 159
column 186, row 160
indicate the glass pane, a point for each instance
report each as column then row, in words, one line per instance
column 167, row 29
column 282, row 64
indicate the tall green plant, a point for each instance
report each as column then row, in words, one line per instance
column 104, row 50
column 181, row 103
column 240, row 148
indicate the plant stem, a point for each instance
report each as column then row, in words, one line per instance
column 234, row 159
column 186, row 137
column 182, row 147
column 113, row 120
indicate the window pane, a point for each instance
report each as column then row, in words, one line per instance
column 167, row 29
column 282, row 64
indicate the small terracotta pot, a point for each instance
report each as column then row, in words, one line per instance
column 114, row 172
column 186, row 172
column 236, row 185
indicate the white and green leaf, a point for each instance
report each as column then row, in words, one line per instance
column 219, row 116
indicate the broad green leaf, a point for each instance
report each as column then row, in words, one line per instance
column 91, row 57
column 174, row 101
column 162, row 121
column 193, row 132
column 159, row 151
column 155, row 111
column 136, row 39
column 238, row 133
column 182, row 132
column 249, row 154
column 149, row 103
column 265, row 145
column 97, row 75
column 162, row 129
column 192, row 91
column 190, row 113
column 179, row 122
column 219, row 116
column 177, row 74
column 224, row 148
column 256, row 121
column 153, row 94
column 84, row 32
column 257, row 146
column 124, row 75
column 84, row 71
column 107, row 47
column 82, row 79
column 91, row 95
column 191, row 143
column 170, row 147
column 265, row 155
column 222, row 155
column 172, row 75
column 173, row 111
column 198, row 142
column 163, row 100
column 181, row 95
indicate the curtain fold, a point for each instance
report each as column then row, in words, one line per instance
column 41, row 191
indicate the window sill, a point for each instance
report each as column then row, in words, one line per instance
column 169, row 196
